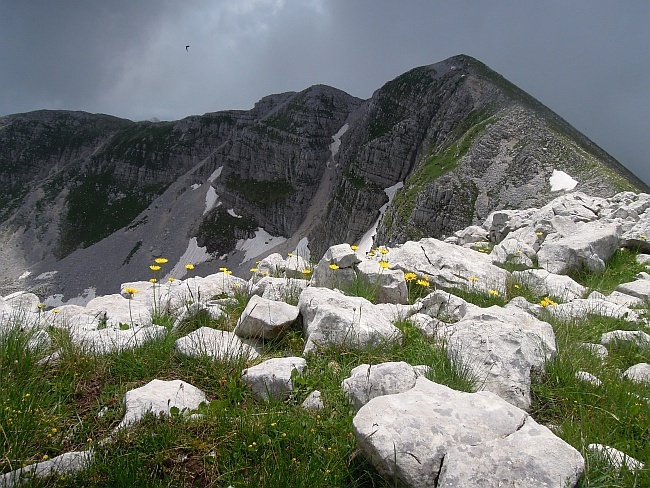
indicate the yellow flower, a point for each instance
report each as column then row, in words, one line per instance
column 228, row 272
column 41, row 306
column 306, row 271
column 516, row 286
column 171, row 279
column 334, row 266
column 290, row 254
column 423, row 282
column 153, row 280
column 383, row 250
column 410, row 276
column 473, row 278
column 254, row 270
column 223, row 270
column 371, row 254
column 161, row 260
column 355, row 247
column 189, row 266
column 643, row 237
column 154, row 267
column 539, row 233
column 130, row 291
column 45, row 457
column 547, row 301
column 56, row 310
column 493, row 293
column 384, row 264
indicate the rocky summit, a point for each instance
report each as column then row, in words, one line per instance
column 87, row 200
column 414, row 431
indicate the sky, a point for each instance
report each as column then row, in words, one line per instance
column 588, row 60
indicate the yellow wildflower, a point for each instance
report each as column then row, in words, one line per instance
column 171, row 279
column 423, row 282
column 410, row 276
column 290, row 254
column 189, row 266
column 223, row 270
column 384, row 264
column 56, row 310
column 494, row 292
column 153, row 280
column 41, row 306
column 130, row 291
column 473, row 278
column 161, row 260
column 383, row 250
column 154, row 267
column 355, row 247
column 228, row 272
column 254, row 270
column 547, row 301
column 643, row 237
column 306, row 271
column 334, row 266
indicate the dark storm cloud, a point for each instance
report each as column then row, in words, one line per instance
column 586, row 59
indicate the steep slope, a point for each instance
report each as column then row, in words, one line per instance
column 463, row 141
column 88, row 200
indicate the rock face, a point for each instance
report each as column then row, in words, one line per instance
column 450, row 142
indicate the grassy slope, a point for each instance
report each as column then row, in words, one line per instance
column 47, row 410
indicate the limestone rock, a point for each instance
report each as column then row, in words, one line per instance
column 499, row 347
column 279, row 289
column 410, row 435
column 265, row 319
column 158, row 397
column 215, row 344
column 638, row 288
column 370, row 381
column 617, row 459
column 636, row 337
column 331, row 318
column 271, row 380
column 313, row 401
column 639, row 373
column 66, row 463
column 544, row 283
column 388, row 284
column 449, row 266
column 589, row 247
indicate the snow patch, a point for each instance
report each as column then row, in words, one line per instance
column 334, row 147
column 195, row 186
column 262, row 242
column 215, row 174
column 302, row 249
column 231, row 212
column 211, row 200
column 366, row 242
column 24, row 275
column 46, row 275
column 561, row 181
column 192, row 255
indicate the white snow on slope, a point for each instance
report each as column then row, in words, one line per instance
column 231, row 212
column 192, row 255
column 24, row 275
column 211, row 200
column 366, row 242
column 215, row 174
column 302, row 249
column 561, row 181
column 334, row 147
column 195, row 186
column 262, row 242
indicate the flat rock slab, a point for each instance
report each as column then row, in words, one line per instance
column 388, row 284
column 499, row 347
column 158, row 397
column 279, row 289
column 638, row 288
column 544, row 283
column 265, row 319
column 370, row 381
column 449, row 266
column 271, row 380
column 530, row 457
column 616, row 459
column 216, row 344
column 639, row 373
column 67, row 463
column 634, row 337
column 409, row 436
column 333, row 319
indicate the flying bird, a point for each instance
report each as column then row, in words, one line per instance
column 187, row 48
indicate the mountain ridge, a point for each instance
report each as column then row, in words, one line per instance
column 104, row 194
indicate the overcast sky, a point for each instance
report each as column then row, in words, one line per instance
column 588, row 60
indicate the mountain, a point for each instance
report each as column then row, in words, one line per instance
column 88, row 200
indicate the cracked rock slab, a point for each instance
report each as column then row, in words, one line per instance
column 432, row 435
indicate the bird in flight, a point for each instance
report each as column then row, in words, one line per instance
column 187, row 48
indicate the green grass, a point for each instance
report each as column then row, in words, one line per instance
column 50, row 409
